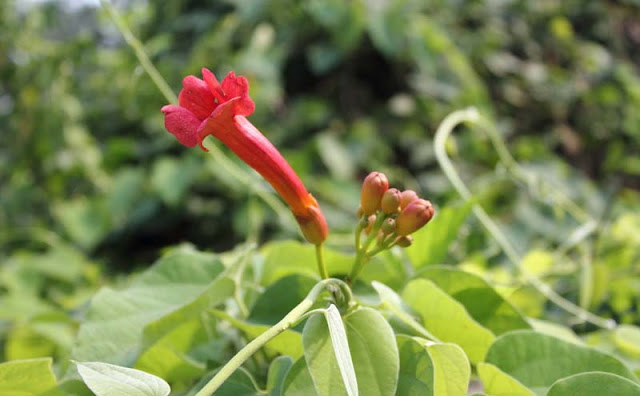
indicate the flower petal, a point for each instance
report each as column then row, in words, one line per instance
column 196, row 97
column 182, row 123
column 213, row 84
column 233, row 85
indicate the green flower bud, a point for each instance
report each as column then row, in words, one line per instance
column 414, row 216
column 390, row 203
column 388, row 226
column 406, row 197
column 373, row 187
column 404, row 241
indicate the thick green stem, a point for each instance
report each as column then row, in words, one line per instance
column 444, row 130
column 252, row 347
column 322, row 267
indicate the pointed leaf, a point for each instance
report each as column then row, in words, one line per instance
column 341, row 349
column 110, row 380
column 447, row 319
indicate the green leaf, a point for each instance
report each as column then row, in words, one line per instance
column 28, row 377
column 627, row 338
column 431, row 243
column 428, row 368
column 556, row 330
column 289, row 342
column 374, row 352
column 168, row 357
column 447, row 319
column 280, row 298
column 391, row 301
column 538, row 360
column 341, row 349
column 451, row 369
column 277, row 373
column 110, row 380
column 416, row 368
column 298, row 381
column 594, row 384
column 291, row 257
column 482, row 302
column 321, row 359
column 176, row 289
column 498, row 383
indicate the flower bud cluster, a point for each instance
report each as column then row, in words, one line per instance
column 391, row 213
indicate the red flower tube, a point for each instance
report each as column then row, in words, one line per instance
column 207, row 107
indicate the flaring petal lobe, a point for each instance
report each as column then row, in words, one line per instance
column 196, row 97
column 182, row 123
column 233, row 85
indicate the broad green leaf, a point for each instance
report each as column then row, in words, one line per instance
column 341, row 349
column 321, row 359
column 498, row 383
column 447, row 319
column 176, row 289
column 538, row 360
column 277, row 373
column 110, row 380
column 280, row 298
column 391, row 300
column 29, row 377
column 627, row 338
column 432, row 369
column 451, row 369
column 289, row 342
column 374, row 352
column 298, row 381
column 416, row 368
column 482, row 302
column 431, row 243
column 594, row 384
column 168, row 357
column 556, row 330
column 290, row 257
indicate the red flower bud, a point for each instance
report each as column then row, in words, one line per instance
column 373, row 187
column 390, row 203
column 407, row 197
column 414, row 216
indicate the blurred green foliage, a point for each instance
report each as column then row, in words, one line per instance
column 92, row 185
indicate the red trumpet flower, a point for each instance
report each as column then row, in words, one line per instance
column 207, row 107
